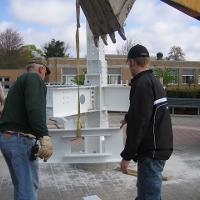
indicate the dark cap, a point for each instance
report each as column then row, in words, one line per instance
column 138, row 51
column 40, row 61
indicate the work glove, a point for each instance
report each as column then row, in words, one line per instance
column 46, row 148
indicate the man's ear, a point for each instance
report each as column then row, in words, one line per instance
column 40, row 69
column 132, row 62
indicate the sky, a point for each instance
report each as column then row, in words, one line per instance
column 150, row 22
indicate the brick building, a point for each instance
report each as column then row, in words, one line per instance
column 64, row 70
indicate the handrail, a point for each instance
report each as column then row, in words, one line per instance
column 184, row 102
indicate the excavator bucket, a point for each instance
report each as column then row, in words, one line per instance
column 190, row 7
column 106, row 16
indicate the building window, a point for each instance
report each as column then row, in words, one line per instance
column 68, row 75
column 5, row 81
column 114, row 79
column 188, row 76
column 175, row 74
column 114, row 76
column 68, row 79
column 69, row 71
column 155, row 72
column 199, row 79
column 167, row 75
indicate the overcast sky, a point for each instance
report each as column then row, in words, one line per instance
column 151, row 22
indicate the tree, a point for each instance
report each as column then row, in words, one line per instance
column 124, row 49
column 164, row 75
column 176, row 53
column 10, row 48
column 27, row 52
column 56, row 48
column 79, row 79
column 35, row 52
column 159, row 56
column 10, row 40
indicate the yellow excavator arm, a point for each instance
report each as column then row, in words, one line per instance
column 105, row 17
column 189, row 7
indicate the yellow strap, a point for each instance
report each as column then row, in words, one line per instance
column 78, row 130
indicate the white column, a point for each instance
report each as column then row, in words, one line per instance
column 96, row 63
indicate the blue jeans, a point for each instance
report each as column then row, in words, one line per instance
column 149, row 181
column 24, row 172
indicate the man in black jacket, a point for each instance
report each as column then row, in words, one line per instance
column 149, row 131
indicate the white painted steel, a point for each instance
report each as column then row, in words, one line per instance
column 96, row 62
column 101, row 144
column 62, row 101
column 116, row 98
column 106, row 146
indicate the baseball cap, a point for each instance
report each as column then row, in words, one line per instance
column 40, row 61
column 138, row 51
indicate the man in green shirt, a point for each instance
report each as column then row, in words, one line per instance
column 23, row 122
column 2, row 98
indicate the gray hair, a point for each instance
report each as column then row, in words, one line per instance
column 32, row 66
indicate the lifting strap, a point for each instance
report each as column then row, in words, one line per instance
column 78, row 128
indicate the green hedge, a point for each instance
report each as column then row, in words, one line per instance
column 183, row 93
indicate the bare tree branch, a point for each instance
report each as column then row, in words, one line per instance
column 176, row 53
column 10, row 40
column 124, row 48
column 10, row 48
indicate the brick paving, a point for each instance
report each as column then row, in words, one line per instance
column 186, row 136
column 72, row 182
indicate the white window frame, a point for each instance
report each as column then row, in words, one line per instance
column 189, row 76
column 4, row 81
column 199, row 79
column 114, row 75
column 67, row 77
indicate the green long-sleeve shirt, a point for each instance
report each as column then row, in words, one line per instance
column 25, row 106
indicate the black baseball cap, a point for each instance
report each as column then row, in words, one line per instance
column 138, row 51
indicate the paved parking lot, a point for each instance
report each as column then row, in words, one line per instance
column 70, row 182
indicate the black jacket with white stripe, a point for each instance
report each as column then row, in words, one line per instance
column 149, row 129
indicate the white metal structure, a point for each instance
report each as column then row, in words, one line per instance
column 61, row 100
column 100, row 144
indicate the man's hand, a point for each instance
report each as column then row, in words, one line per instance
column 124, row 166
column 123, row 122
column 46, row 149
